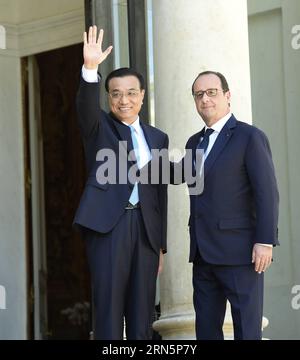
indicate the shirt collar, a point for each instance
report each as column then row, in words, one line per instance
column 136, row 125
column 218, row 126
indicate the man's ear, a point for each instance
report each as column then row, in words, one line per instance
column 228, row 96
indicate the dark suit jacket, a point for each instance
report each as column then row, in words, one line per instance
column 239, row 204
column 101, row 205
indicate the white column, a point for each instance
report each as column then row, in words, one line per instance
column 190, row 36
column 13, row 271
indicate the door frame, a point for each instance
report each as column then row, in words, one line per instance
column 38, row 218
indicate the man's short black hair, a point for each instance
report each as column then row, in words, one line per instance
column 222, row 78
column 122, row 72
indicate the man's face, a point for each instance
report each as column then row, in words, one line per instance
column 211, row 108
column 125, row 98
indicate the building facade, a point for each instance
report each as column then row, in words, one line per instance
column 44, row 281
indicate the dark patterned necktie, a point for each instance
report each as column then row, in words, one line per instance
column 203, row 144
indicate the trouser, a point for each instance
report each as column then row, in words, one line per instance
column 241, row 285
column 124, row 269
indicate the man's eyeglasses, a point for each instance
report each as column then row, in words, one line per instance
column 131, row 94
column 209, row 92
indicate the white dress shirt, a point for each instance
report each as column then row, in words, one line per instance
column 217, row 127
column 143, row 148
column 90, row 76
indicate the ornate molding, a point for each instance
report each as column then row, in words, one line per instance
column 43, row 34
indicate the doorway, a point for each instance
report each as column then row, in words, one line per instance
column 61, row 281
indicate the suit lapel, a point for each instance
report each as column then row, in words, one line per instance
column 196, row 142
column 220, row 143
column 123, row 131
column 153, row 143
column 149, row 136
column 123, row 134
column 193, row 146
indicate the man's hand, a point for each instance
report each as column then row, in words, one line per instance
column 262, row 257
column 161, row 261
column 92, row 48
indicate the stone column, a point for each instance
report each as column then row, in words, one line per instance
column 190, row 36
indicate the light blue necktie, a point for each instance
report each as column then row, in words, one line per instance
column 134, row 197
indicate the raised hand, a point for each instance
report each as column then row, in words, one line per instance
column 92, row 48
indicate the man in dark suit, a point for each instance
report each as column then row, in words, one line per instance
column 122, row 222
column 233, row 222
